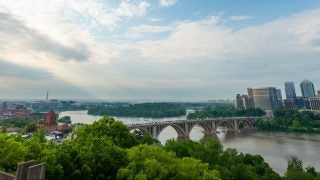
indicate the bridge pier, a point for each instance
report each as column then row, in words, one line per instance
column 208, row 135
column 210, row 126
column 236, row 126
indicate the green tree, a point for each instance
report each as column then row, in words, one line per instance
column 108, row 127
column 65, row 119
column 31, row 128
column 152, row 162
column 12, row 152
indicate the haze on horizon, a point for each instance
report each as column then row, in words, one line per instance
column 157, row 49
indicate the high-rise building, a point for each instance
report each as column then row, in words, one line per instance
column 290, row 90
column 318, row 92
column 307, row 89
column 264, row 98
column 279, row 98
column 242, row 102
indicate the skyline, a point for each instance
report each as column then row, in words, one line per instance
column 157, row 50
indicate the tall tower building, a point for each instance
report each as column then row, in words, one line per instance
column 279, row 98
column 264, row 98
column 307, row 89
column 290, row 90
column 242, row 102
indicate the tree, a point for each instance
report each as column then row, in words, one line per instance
column 65, row 119
column 144, row 137
column 31, row 128
column 108, row 127
column 294, row 164
column 153, row 162
column 12, row 152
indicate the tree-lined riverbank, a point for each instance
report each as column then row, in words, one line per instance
column 87, row 156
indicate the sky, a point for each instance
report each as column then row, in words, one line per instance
column 160, row 50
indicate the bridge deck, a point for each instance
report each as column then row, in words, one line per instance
column 193, row 121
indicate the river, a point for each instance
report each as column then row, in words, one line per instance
column 274, row 147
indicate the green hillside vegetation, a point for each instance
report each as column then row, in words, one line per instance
column 107, row 150
column 292, row 121
column 152, row 110
column 225, row 111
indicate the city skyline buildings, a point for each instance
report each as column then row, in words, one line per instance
column 307, row 89
column 290, row 90
column 264, row 98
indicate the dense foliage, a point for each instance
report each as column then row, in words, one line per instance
column 65, row 119
column 58, row 106
column 292, row 120
column 225, row 111
column 230, row 163
column 295, row 170
column 107, row 150
column 19, row 123
column 154, row 110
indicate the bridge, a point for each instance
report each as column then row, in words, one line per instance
column 184, row 127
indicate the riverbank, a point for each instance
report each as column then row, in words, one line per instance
column 274, row 147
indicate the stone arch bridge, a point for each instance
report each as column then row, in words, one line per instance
column 184, row 127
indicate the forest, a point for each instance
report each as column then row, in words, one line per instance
column 151, row 110
column 108, row 150
column 292, row 121
column 225, row 111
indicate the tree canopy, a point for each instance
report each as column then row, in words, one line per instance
column 292, row 120
column 153, row 110
column 107, row 150
column 225, row 111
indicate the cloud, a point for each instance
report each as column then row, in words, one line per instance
column 155, row 19
column 97, row 13
column 151, row 29
column 129, row 8
column 141, row 31
column 13, row 31
column 208, row 39
column 83, row 45
column 167, row 3
column 239, row 18
column 18, row 71
column 18, row 81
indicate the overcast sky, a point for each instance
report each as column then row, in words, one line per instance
column 155, row 50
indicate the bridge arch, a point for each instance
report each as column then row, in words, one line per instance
column 206, row 127
column 228, row 124
column 245, row 124
column 180, row 131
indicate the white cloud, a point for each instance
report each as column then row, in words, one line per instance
column 167, row 3
column 61, row 39
column 207, row 39
column 128, row 8
column 151, row 29
column 155, row 19
column 239, row 18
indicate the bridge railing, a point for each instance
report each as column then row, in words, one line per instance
column 195, row 120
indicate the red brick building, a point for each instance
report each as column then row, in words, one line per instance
column 50, row 123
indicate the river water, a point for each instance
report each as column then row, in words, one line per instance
column 274, row 147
